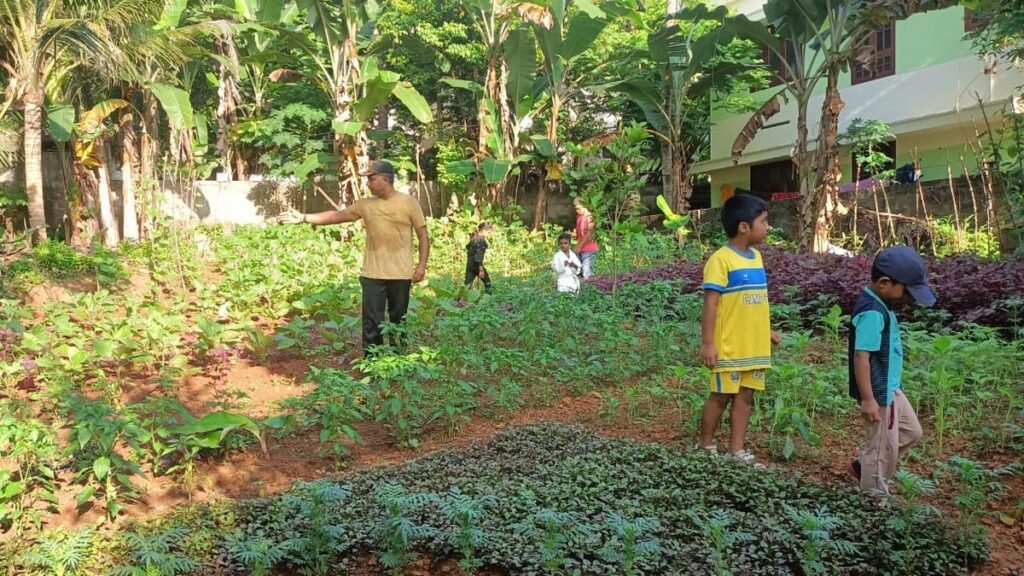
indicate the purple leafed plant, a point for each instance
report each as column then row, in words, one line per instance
column 8, row 339
column 968, row 288
column 219, row 365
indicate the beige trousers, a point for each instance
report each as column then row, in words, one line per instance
column 888, row 440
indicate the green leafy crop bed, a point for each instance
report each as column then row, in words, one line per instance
column 556, row 499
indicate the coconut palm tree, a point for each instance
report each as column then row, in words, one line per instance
column 43, row 40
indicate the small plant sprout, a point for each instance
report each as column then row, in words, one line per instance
column 154, row 555
column 633, row 542
column 258, row 554
column 58, row 553
column 465, row 512
column 912, row 488
column 976, row 486
column 817, row 527
column 396, row 533
column 718, row 528
column 553, row 531
column 321, row 501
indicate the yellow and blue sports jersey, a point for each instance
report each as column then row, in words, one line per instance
column 742, row 327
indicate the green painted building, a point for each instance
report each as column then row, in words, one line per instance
column 926, row 83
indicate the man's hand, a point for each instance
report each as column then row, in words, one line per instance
column 870, row 410
column 709, row 355
column 291, row 216
column 481, row 274
column 776, row 338
column 419, row 274
column 571, row 265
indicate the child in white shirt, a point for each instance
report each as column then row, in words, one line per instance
column 567, row 265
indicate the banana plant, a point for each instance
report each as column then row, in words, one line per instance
column 347, row 69
column 508, row 96
column 491, row 162
column 677, row 223
column 244, row 58
column 88, row 136
column 46, row 38
column 686, row 52
column 563, row 34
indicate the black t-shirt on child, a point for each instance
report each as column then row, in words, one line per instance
column 475, row 251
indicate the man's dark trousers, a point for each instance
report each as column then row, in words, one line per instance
column 378, row 296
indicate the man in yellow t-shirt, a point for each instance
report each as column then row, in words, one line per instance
column 736, row 333
column 389, row 218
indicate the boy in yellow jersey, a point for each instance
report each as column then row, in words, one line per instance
column 736, row 334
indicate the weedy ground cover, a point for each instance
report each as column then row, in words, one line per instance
column 93, row 402
column 555, row 499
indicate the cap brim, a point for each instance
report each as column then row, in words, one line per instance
column 922, row 294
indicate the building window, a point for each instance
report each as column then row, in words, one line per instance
column 861, row 172
column 878, row 57
column 780, row 73
column 774, row 178
column 972, row 21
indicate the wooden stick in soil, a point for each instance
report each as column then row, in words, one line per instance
column 878, row 217
column 888, row 209
column 924, row 201
column 421, row 182
column 991, row 216
column 856, row 204
column 952, row 196
column 985, row 166
column 974, row 198
column 988, row 184
column 326, row 196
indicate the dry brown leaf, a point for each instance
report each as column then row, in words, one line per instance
column 536, row 14
column 751, row 128
column 285, row 75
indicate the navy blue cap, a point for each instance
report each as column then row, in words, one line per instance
column 904, row 265
column 379, row 167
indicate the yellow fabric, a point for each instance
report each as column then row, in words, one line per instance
column 731, row 382
column 389, row 228
column 742, row 326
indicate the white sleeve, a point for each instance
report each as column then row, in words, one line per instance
column 558, row 263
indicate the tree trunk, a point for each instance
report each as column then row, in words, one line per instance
column 72, row 195
column 542, row 189
column 104, row 198
column 224, row 104
column 149, row 160
column 825, row 197
column 231, row 161
column 84, row 196
column 495, row 90
column 807, row 212
column 151, row 139
column 666, row 170
column 129, row 159
column 681, row 189
column 351, row 151
column 33, row 141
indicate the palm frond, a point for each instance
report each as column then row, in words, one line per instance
column 10, row 140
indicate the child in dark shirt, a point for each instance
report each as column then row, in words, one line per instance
column 475, row 251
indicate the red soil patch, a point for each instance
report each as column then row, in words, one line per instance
column 249, row 474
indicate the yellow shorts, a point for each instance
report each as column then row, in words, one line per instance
column 731, row 382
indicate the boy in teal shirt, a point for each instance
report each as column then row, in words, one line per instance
column 876, row 366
